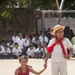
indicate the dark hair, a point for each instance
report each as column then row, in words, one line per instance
column 23, row 57
column 5, row 45
column 31, row 45
column 15, row 43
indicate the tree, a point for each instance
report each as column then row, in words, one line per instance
column 31, row 4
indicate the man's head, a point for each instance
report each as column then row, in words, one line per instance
column 20, row 35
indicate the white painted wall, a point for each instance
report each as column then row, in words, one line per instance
column 51, row 22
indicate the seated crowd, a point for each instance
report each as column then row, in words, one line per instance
column 31, row 46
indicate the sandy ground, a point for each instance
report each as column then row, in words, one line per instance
column 8, row 66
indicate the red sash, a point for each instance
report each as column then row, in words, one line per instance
column 50, row 49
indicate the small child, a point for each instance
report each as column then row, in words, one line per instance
column 31, row 51
column 24, row 69
column 16, row 51
column 5, row 52
column 39, row 51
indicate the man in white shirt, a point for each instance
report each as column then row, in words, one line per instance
column 31, row 51
column 16, row 51
column 5, row 52
column 57, row 47
column 20, row 41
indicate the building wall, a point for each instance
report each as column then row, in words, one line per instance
column 23, row 20
column 51, row 22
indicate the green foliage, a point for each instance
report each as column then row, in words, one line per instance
column 32, row 4
column 7, row 13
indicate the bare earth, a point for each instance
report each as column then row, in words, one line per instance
column 8, row 66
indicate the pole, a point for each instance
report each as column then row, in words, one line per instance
column 58, row 11
column 57, row 3
column 60, row 14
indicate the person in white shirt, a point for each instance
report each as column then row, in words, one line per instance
column 57, row 48
column 14, row 37
column 10, row 44
column 39, row 51
column 5, row 52
column 20, row 41
column 16, row 51
column 26, row 43
column 31, row 51
column 1, row 47
column 41, row 39
column 35, row 40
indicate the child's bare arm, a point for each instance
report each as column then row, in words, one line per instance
column 16, row 72
column 35, row 72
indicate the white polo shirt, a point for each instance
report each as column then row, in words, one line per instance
column 57, row 54
column 17, row 51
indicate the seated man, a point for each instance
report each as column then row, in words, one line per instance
column 31, row 51
column 5, row 52
column 16, row 51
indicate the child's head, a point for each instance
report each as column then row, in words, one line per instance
column 58, row 31
column 5, row 47
column 16, row 45
column 31, row 46
column 23, row 60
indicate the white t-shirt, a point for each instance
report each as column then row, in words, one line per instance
column 31, row 52
column 17, row 51
column 45, row 39
column 57, row 54
column 39, row 50
column 20, row 42
column 34, row 40
column 26, row 42
column 1, row 47
column 14, row 38
column 5, row 51
column 11, row 46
